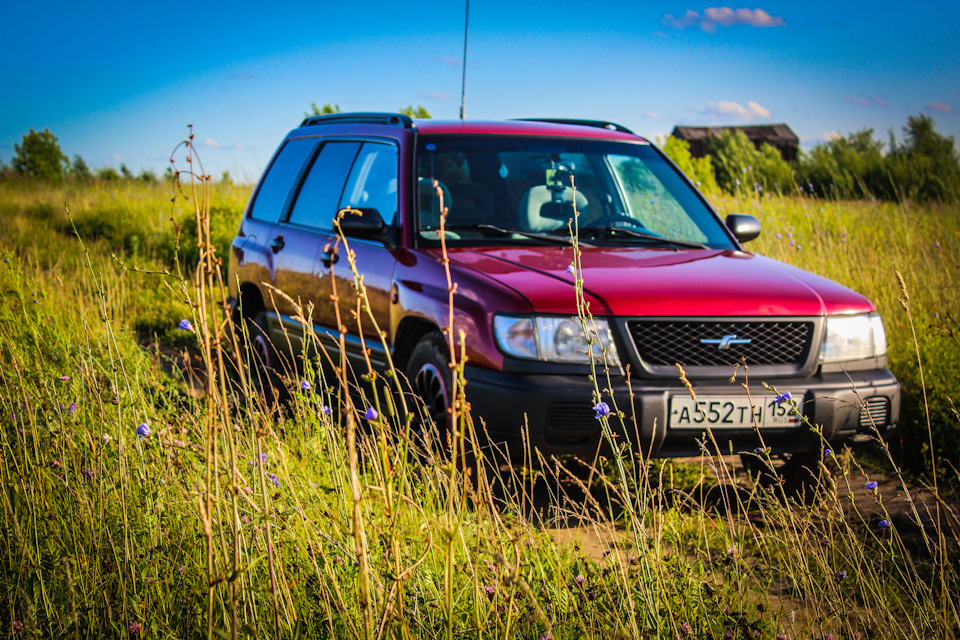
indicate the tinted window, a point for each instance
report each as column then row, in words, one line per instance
column 280, row 178
column 373, row 181
column 316, row 203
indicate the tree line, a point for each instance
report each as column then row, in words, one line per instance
column 923, row 166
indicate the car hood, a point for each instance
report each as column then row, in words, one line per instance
column 633, row 281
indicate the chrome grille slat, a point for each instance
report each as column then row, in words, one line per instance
column 874, row 412
column 772, row 342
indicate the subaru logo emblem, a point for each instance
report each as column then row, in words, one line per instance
column 726, row 341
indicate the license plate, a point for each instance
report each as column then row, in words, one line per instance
column 733, row 412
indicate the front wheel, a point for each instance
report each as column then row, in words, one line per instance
column 431, row 379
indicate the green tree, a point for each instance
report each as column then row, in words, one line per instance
column 849, row 166
column 39, row 156
column 699, row 170
column 79, row 169
column 739, row 166
column 415, row 112
column 925, row 166
column 326, row 109
column 125, row 172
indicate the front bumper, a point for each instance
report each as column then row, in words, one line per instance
column 556, row 412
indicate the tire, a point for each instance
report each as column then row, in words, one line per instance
column 431, row 379
column 266, row 382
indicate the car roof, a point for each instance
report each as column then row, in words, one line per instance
column 525, row 127
column 550, row 127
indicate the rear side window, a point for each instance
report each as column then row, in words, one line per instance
column 373, row 181
column 281, row 176
column 316, row 204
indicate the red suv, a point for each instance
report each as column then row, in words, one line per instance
column 666, row 281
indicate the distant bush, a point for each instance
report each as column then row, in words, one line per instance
column 699, row 170
column 739, row 166
column 924, row 167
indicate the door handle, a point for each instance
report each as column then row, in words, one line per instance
column 277, row 244
column 329, row 257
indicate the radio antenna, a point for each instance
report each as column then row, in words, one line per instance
column 463, row 83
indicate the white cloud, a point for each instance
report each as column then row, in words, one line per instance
column 452, row 61
column 651, row 115
column 210, row 143
column 436, row 95
column 830, row 135
column 117, row 157
column 725, row 17
column 873, row 101
column 734, row 111
column 942, row 107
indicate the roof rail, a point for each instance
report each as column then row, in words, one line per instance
column 396, row 119
column 600, row 124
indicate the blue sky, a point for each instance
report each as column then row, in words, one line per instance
column 120, row 82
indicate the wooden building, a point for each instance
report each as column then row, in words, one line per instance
column 779, row 136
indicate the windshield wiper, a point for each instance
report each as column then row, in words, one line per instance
column 613, row 232
column 546, row 237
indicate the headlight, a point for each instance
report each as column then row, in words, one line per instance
column 554, row 339
column 853, row 338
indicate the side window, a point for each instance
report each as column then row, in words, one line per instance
column 373, row 181
column 316, row 203
column 281, row 176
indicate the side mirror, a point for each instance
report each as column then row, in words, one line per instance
column 366, row 224
column 743, row 227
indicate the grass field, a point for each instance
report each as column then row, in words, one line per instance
column 134, row 506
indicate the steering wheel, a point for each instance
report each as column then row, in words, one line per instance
column 607, row 220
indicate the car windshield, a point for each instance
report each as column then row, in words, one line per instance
column 625, row 193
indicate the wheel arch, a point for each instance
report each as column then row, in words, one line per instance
column 409, row 332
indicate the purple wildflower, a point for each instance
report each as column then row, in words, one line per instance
column 781, row 636
column 16, row 626
column 686, row 629
column 89, row 474
column 371, row 414
column 305, row 385
column 105, row 438
column 786, row 396
column 883, row 524
column 602, row 409
column 134, row 627
column 326, row 410
column 275, row 480
column 185, row 325
column 827, row 453
column 546, row 636
column 871, row 485
column 72, row 408
column 65, row 378
column 263, row 457
column 143, row 431
column 824, row 542
column 489, row 590
column 758, row 451
column 841, row 575
column 580, row 579
column 728, row 635
column 571, row 268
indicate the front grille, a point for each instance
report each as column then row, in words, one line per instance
column 874, row 412
column 771, row 343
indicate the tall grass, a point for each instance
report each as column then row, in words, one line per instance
column 233, row 519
